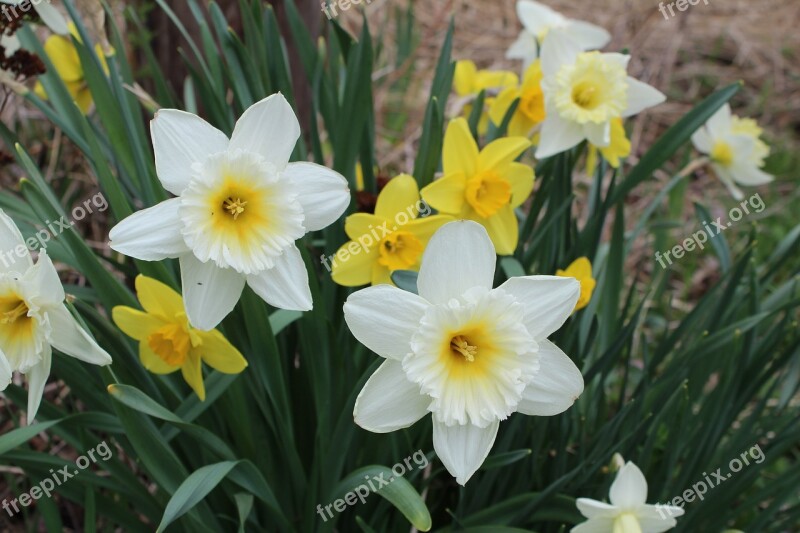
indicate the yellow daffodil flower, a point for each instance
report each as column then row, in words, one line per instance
column 62, row 53
column 482, row 185
column 580, row 269
column 468, row 81
column 166, row 340
column 618, row 149
column 391, row 239
column 530, row 112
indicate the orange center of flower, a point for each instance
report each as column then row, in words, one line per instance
column 531, row 104
column 399, row 251
column 487, row 192
column 171, row 343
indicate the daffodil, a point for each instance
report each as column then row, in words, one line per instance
column 468, row 82
column 584, row 93
column 628, row 511
column 538, row 20
column 735, row 148
column 34, row 319
column 580, row 269
column 167, row 342
column 240, row 207
column 61, row 51
column 618, row 149
column 391, row 239
column 482, row 185
column 466, row 353
column 530, row 111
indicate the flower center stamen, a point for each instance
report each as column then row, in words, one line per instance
column 584, row 95
column 171, row 343
column 487, row 192
column 11, row 316
column 235, row 207
column 722, row 153
column 400, row 251
column 459, row 344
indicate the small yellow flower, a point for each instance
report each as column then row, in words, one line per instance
column 580, row 269
column 391, row 239
column 62, row 53
column 618, row 149
column 482, row 185
column 469, row 81
column 166, row 340
column 530, row 111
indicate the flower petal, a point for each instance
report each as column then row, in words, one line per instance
column 463, row 449
column 702, row 141
column 446, row 194
column 37, row 379
column 51, row 17
column 5, row 372
column 460, row 152
column 598, row 134
column 269, row 128
column 44, row 283
column 548, row 301
column 71, row 339
column 64, row 56
column 181, row 139
column 502, row 227
column 658, row 518
column 384, row 318
column 15, row 256
column 641, row 96
column 521, row 178
column 525, row 48
column 750, row 175
column 134, row 323
column 401, row 195
column 558, row 135
column 596, row 525
column 593, row 508
column 210, row 293
column 389, row 401
column 588, row 36
column 629, row 488
column 502, row 152
column 158, row 298
column 537, row 17
column 720, row 122
column 284, row 286
column 192, row 371
column 558, row 49
column 352, row 270
column 322, row 192
column 152, row 362
column 219, row 353
column 444, row 273
column 555, row 387
column 151, row 234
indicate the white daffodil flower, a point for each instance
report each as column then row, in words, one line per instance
column 240, row 207
column 469, row 354
column 33, row 317
column 584, row 92
column 628, row 511
column 537, row 21
column 735, row 148
column 46, row 11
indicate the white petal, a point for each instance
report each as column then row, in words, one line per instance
column 71, row 339
column 52, row 17
column 720, row 122
column 657, row 518
column 5, row 372
column 558, row 49
column 284, row 286
column 558, row 135
column 209, row 292
column 727, row 179
column 641, row 96
column 555, row 387
column 43, row 282
column 750, row 175
column 463, row 449
column 37, row 379
column 537, row 17
column 593, row 508
column 629, row 488
column 525, row 47
column 268, row 128
column 596, row 525
column 322, row 192
column 589, row 36
column 151, row 234
column 181, row 139
column 389, row 401
column 383, row 318
column 702, row 141
column 14, row 255
column 548, row 301
column 459, row 256
column 598, row 134
column 620, row 59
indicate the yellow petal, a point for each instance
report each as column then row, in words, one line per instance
column 424, row 228
column 619, row 147
column 464, row 78
column 381, row 275
column 502, row 228
column 219, row 353
column 591, row 160
column 134, row 323
column 64, row 56
column 581, row 268
column 83, row 98
column 359, row 224
column 158, row 298
column 492, row 79
column 39, row 90
column 500, row 106
column 354, row 270
column 501, row 152
column 447, row 193
column 152, row 362
column 520, row 176
column 587, row 287
column 460, row 152
column 192, row 371
column 401, row 195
